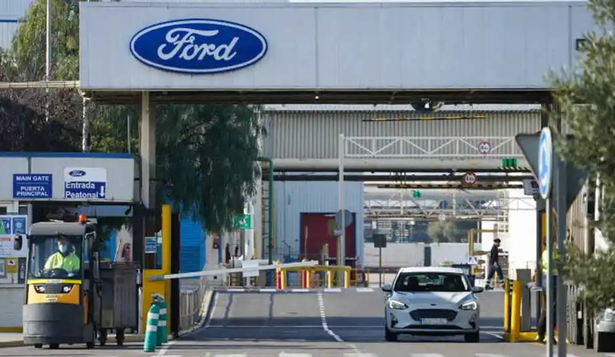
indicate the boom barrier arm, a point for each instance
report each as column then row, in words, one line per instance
column 197, row 274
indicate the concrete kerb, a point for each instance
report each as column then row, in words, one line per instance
column 204, row 313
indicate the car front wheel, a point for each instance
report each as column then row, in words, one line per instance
column 389, row 336
column 472, row 337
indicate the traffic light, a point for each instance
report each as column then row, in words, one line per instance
column 416, row 194
column 509, row 164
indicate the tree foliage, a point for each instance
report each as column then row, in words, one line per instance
column 205, row 153
column 449, row 231
column 585, row 99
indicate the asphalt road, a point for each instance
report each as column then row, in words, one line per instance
column 345, row 324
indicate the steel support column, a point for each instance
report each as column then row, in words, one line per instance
column 148, row 152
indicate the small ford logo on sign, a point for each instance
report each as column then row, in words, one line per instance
column 77, row 173
column 198, row 46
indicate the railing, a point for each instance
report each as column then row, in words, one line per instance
column 430, row 147
column 192, row 293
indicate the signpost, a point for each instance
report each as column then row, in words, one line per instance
column 380, row 241
column 32, row 186
column 484, row 147
column 242, row 222
column 548, row 167
column 85, row 183
column 469, row 179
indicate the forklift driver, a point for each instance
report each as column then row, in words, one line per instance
column 65, row 258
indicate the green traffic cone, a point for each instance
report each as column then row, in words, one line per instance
column 151, row 331
column 163, row 332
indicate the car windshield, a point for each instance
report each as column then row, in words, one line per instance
column 431, row 282
column 55, row 257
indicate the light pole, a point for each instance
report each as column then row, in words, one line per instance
column 48, row 58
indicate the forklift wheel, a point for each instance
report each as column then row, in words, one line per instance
column 54, row 346
column 38, row 345
column 89, row 345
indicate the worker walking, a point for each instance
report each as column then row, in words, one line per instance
column 542, row 322
column 494, row 264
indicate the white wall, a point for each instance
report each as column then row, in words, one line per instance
column 413, row 254
column 339, row 46
column 295, row 197
column 522, row 234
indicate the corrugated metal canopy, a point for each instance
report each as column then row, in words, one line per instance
column 50, row 228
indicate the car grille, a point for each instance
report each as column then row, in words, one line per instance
column 433, row 314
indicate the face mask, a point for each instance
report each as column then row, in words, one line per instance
column 63, row 249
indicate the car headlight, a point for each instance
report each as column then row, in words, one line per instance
column 396, row 305
column 39, row 288
column 608, row 315
column 67, row 288
column 470, row 305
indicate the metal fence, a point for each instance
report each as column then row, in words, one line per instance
column 192, row 293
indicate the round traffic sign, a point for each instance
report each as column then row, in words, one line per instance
column 469, row 179
column 484, row 147
column 545, row 163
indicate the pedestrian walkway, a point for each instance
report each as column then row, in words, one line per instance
column 10, row 339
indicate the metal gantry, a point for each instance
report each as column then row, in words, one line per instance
column 447, row 204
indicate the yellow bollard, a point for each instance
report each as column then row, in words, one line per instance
column 282, row 278
column 346, row 279
column 329, row 279
column 507, row 306
column 515, row 318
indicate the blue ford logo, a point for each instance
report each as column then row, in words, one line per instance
column 198, row 46
column 77, row 173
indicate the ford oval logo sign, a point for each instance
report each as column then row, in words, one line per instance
column 77, row 173
column 198, row 46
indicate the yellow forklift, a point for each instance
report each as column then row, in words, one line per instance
column 70, row 295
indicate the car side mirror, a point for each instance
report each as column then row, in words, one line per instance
column 477, row 289
column 17, row 242
column 386, row 288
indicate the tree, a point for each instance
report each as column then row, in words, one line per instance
column 585, row 99
column 206, row 153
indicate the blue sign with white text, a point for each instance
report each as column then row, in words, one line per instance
column 32, row 186
column 198, row 46
column 87, row 183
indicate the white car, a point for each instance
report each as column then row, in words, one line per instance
column 431, row 301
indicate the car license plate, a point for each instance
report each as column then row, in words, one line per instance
column 434, row 321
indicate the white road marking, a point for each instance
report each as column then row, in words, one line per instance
column 300, row 290
column 323, row 319
column 494, row 335
column 165, row 348
column 333, row 290
column 359, row 355
column 426, row 355
column 212, row 311
column 488, row 355
column 231, row 355
column 236, row 290
column 268, row 290
column 284, row 354
column 365, row 290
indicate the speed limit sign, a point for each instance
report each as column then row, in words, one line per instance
column 484, row 147
column 469, row 179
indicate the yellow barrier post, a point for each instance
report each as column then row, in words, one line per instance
column 347, row 278
column 282, row 278
column 506, row 306
column 329, row 279
column 515, row 318
column 166, row 255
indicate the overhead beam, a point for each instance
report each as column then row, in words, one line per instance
column 479, row 186
column 393, row 178
column 417, row 170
